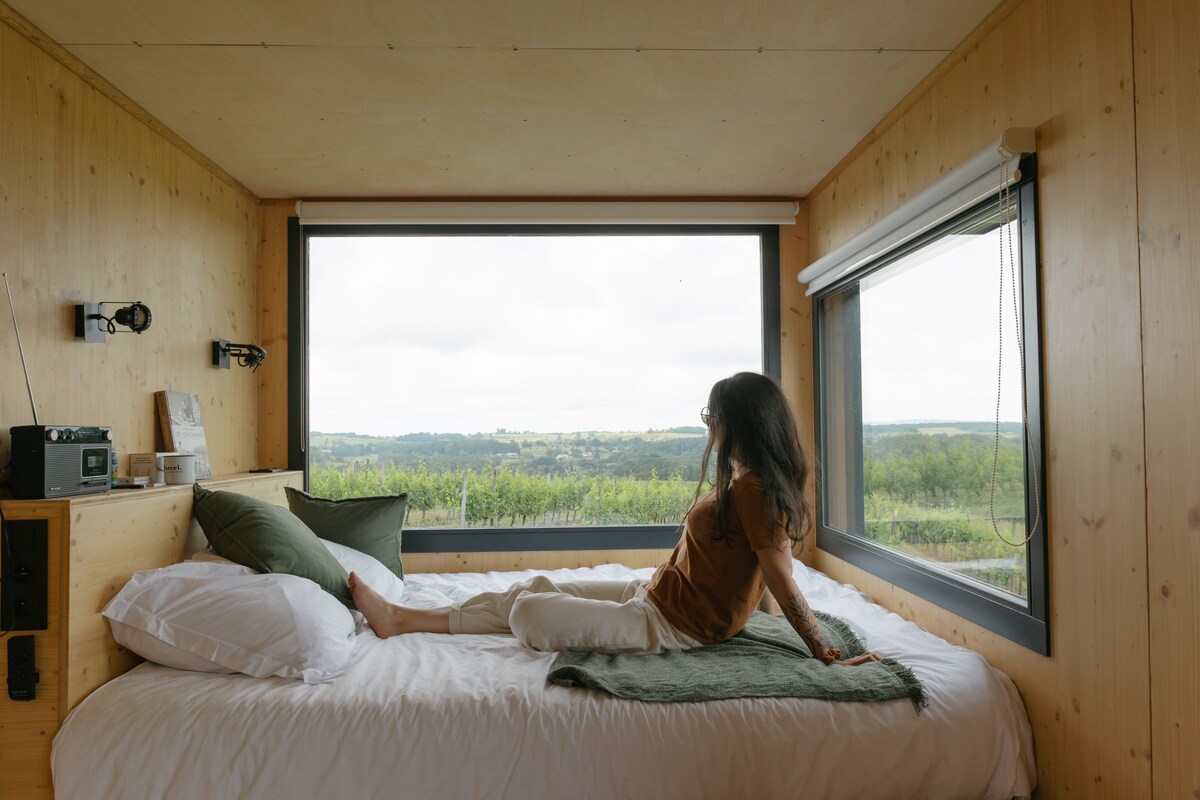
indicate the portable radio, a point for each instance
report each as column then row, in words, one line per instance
column 60, row 460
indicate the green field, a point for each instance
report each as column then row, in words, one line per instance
column 928, row 487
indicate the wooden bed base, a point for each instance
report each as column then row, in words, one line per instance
column 95, row 543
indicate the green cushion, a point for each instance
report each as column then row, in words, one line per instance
column 268, row 538
column 370, row 525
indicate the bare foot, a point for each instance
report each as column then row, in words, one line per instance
column 383, row 617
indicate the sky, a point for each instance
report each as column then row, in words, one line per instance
column 547, row 334
column 913, row 370
column 558, row 334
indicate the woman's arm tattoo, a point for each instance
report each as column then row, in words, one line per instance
column 798, row 612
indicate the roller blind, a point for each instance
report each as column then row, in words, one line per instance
column 957, row 190
column 566, row 212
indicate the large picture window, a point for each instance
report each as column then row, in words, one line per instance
column 930, row 442
column 529, row 388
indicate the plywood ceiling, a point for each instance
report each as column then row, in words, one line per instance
column 524, row 98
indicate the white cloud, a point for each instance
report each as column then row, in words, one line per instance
column 563, row 333
column 930, row 338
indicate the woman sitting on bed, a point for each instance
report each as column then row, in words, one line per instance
column 736, row 544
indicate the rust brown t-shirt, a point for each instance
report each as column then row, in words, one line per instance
column 709, row 587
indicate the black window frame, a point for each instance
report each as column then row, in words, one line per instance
column 1030, row 626
column 508, row 539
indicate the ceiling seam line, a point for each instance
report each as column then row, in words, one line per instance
column 515, row 48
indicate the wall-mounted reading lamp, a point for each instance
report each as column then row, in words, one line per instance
column 247, row 355
column 92, row 325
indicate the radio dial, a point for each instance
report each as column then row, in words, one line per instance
column 52, row 434
column 108, row 435
column 68, row 434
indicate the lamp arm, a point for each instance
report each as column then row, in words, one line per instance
column 247, row 355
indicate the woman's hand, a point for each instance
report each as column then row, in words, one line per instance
column 826, row 655
column 832, row 656
column 776, row 563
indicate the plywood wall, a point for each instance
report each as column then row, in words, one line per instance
column 1167, row 69
column 27, row 728
column 796, row 353
column 273, row 332
column 1122, row 482
column 97, row 205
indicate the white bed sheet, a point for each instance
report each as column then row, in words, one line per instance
column 432, row 716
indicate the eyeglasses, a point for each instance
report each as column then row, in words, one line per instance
column 705, row 416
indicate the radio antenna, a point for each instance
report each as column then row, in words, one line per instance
column 20, row 349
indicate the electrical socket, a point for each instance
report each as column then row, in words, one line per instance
column 22, row 669
column 23, row 575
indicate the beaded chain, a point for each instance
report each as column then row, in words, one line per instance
column 1006, row 230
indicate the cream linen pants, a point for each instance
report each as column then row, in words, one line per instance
column 608, row 616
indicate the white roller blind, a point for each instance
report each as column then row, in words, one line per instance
column 566, row 212
column 957, row 190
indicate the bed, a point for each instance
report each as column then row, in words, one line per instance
column 429, row 716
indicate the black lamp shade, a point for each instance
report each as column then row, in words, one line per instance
column 136, row 317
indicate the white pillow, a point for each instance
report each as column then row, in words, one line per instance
column 223, row 617
column 369, row 568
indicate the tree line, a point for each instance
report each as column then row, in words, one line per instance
column 940, row 469
column 622, row 455
column 506, row 496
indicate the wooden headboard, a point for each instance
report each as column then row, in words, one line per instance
column 95, row 543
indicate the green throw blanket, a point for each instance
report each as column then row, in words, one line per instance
column 767, row 659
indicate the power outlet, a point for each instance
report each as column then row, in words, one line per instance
column 23, row 575
column 22, row 669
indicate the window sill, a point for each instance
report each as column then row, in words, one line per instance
column 517, row 540
column 957, row 595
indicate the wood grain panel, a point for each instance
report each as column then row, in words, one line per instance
column 967, row 45
column 1167, row 61
column 796, row 353
column 56, row 51
column 537, row 24
column 662, row 110
column 325, row 121
column 273, row 332
column 27, row 728
column 1064, row 66
column 94, row 205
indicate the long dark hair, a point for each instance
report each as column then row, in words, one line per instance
column 756, row 425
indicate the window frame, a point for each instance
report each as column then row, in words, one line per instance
column 1030, row 626
column 508, row 539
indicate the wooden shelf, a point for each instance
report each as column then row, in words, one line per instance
column 236, row 480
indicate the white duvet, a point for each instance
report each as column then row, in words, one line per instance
column 434, row 716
